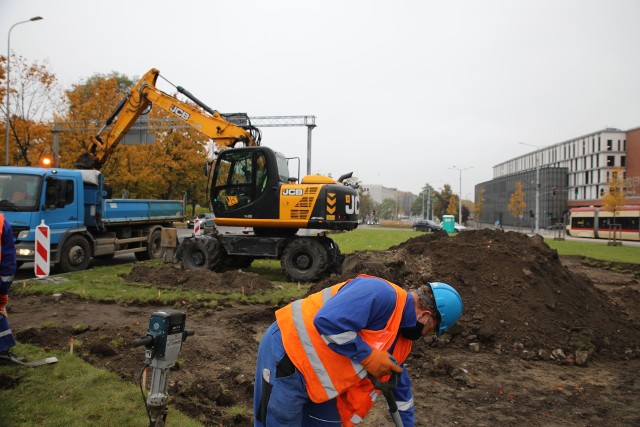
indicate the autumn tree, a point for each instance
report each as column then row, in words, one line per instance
column 33, row 99
column 615, row 198
column 442, row 200
column 168, row 168
column 452, row 208
column 517, row 204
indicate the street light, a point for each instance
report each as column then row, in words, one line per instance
column 8, row 124
column 460, row 193
column 537, row 214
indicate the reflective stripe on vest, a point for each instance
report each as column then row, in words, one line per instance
column 356, row 402
column 327, row 373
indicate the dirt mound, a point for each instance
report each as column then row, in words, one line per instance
column 170, row 277
column 518, row 297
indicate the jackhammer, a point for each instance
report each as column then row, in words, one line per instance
column 163, row 343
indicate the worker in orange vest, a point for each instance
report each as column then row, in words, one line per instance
column 7, row 271
column 313, row 362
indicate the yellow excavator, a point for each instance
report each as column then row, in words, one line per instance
column 250, row 186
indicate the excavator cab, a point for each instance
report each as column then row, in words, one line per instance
column 245, row 183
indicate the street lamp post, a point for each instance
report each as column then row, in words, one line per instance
column 460, row 193
column 537, row 214
column 8, row 123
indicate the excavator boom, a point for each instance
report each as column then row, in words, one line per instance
column 140, row 98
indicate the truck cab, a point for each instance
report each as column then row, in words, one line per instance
column 84, row 222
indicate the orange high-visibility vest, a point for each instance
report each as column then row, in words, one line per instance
column 327, row 373
column 358, row 400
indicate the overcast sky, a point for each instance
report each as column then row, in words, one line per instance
column 402, row 90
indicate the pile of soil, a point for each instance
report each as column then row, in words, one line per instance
column 517, row 295
column 538, row 343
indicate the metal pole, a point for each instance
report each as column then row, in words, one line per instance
column 423, row 204
column 460, row 194
column 537, row 194
column 460, row 200
column 309, row 129
column 8, row 118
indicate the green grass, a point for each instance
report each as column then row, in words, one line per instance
column 73, row 393
column 596, row 250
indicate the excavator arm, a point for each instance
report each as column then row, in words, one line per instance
column 141, row 97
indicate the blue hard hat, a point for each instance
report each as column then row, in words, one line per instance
column 448, row 303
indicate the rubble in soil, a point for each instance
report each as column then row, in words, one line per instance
column 517, row 295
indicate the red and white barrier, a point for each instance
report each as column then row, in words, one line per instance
column 196, row 226
column 43, row 250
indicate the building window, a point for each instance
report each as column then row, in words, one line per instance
column 611, row 161
column 623, row 161
column 609, row 145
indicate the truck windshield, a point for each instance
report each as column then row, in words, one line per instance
column 19, row 192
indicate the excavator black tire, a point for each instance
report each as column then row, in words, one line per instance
column 305, row 259
column 201, row 253
column 335, row 257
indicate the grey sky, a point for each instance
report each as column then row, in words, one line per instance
column 402, row 90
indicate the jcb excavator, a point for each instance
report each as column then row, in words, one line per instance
column 250, row 186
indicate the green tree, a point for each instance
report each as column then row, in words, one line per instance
column 386, row 209
column 367, row 205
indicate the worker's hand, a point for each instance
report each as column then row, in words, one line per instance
column 4, row 299
column 380, row 363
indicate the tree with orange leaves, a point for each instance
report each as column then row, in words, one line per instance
column 168, row 168
column 32, row 100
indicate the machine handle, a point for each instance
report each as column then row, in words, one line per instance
column 145, row 341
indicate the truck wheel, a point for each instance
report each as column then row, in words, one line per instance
column 201, row 253
column 304, row 260
column 75, row 255
column 154, row 249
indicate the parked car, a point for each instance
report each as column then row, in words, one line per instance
column 204, row 217
column 459, row 227
column 426, row 225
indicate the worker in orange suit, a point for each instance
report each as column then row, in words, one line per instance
column 314, row 360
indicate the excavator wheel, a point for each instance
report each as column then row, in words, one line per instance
column 201, row 253
column 335, row 257
column 305, row 259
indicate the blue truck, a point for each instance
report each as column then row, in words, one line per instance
column 84, row 221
